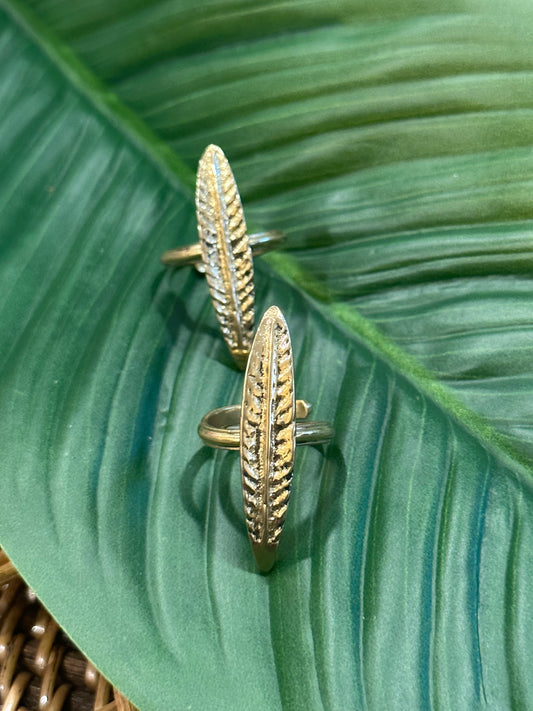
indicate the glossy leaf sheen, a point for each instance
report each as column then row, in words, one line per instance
column 391, row 140
column 403, row 575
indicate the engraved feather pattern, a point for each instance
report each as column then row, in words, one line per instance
column 225, row 250
column 268, row 431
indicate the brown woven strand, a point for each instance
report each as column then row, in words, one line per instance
column 40, row 669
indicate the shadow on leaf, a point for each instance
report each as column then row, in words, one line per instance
column 173, row 308
column 320, row 508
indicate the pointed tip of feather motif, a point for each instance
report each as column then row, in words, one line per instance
column 210, row 152
column 226, row 253
column 268, row 435
column 273, row 313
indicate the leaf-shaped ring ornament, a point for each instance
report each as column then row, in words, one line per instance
column 224, row 251
column 265, row 430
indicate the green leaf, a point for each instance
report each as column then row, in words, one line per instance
column 392, row 141
column 397, row 156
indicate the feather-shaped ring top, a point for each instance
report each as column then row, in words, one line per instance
column 224, row 251
column 265, row 430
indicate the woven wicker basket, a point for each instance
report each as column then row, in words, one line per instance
column 40, row 667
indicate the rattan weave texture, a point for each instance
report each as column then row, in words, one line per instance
column 41, row 669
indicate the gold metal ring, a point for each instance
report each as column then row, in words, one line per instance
column 220, row 428
column 224, row 251
column 191, row 255
column 265, row 430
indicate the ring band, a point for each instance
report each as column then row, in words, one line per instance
column 265, row 430
column 220, row 428
column 224, row 251
column 191, row 255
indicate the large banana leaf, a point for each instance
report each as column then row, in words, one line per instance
column 391, row 139
column 396, row 153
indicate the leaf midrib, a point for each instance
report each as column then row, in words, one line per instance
column 317, row 295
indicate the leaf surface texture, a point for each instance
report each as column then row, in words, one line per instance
column 403, row 181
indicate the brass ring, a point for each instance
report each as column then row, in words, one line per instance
column 220, row 428
column 191, row 255
column 224, row 251
column 265, row 430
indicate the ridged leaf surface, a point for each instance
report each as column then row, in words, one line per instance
column 390, row 140
column 394, row 147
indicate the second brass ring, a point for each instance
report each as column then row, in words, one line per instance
column 191, row 254
column 224, row 251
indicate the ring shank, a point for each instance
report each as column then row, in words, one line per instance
column 220, row 428
column 260, row 242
